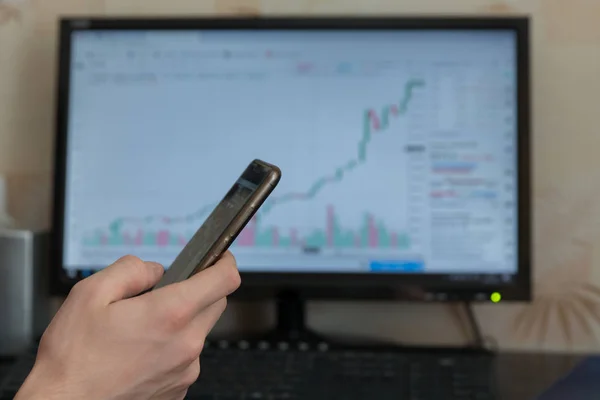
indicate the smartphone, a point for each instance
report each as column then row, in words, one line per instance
column 225, row 222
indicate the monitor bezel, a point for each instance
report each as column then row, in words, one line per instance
column 410, row 287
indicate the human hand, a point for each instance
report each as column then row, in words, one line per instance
column 106, row 344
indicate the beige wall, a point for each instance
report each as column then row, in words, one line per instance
column 566, row 60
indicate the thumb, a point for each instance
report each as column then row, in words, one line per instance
column 127, row 277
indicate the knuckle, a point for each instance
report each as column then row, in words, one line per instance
column 84, row 289
column 150, row 265
column 78, row 288
column 195, row 347
column 176, row 319
column 191, row 375
column 233, row 277
column 133, row 262
column 190, row 350
column 46, row 343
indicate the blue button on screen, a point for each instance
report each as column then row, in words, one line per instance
column 396, row 266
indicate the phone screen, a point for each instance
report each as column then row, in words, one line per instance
column 203, row 241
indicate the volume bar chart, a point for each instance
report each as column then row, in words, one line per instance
column 140, row 237
column 371, row 234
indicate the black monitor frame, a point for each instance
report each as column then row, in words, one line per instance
column 412, row 287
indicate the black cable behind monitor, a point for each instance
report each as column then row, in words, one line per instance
column 478, row 339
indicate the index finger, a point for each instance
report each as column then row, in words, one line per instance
column 187, row 298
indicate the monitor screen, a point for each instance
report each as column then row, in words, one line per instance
column 398, row 148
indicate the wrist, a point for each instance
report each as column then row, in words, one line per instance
column 37, row 386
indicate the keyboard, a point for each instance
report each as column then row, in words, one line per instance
column 243, row 370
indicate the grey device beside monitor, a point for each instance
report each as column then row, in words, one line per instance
column 225, row 222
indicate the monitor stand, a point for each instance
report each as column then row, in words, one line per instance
column 291, row 326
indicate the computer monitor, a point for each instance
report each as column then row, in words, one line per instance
column 404, row 146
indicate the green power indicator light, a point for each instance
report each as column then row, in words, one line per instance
column 495, row 297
